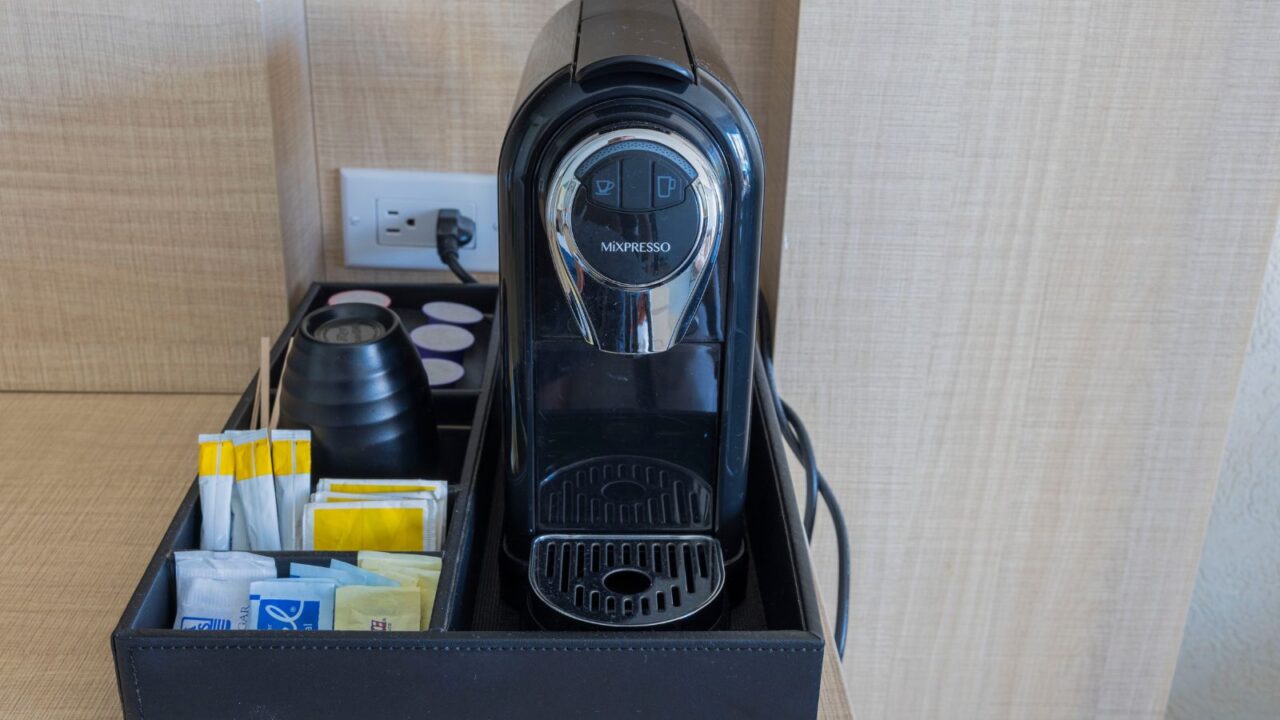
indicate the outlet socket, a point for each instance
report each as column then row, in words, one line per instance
column 389, row 218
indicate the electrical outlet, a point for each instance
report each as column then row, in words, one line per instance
column 389, row 218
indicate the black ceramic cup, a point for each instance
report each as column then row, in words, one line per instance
column 355, row 380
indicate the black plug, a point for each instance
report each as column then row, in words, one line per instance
column 453, row 231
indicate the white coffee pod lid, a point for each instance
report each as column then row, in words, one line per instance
column 369, row 297
column 441, row 372
column 452, row 313
column 442, row 338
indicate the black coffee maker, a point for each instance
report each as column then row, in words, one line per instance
column 630, row 185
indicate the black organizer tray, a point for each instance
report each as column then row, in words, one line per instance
column 481, row 659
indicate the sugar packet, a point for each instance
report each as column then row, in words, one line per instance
column 291, row 604
column 291, row 465
column 378, row 609
column 213, row 588
column 424, row 569
column 216, row 474
column 405, row 525
column 253, row 497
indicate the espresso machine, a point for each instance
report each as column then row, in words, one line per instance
column 631, row 187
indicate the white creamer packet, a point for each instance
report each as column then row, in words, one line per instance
column 291, row 604
column 254, row 495
column 291, row 465
column 213, row 588
column 217, row 467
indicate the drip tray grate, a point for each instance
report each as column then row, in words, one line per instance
column 626, row 581
column 622, row 492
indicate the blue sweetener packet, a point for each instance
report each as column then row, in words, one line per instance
column 341, row 573
column 366, row 577
column 292, row 604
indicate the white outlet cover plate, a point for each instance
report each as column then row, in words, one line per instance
column 474, row 194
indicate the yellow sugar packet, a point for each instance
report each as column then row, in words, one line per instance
column 253, row 497
column 379, row 609
column 406, row 525
column 428, row 580
column 424, row 562
column 291, row 463
column 217, row 470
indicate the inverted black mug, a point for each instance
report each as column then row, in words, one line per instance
column 354, row 378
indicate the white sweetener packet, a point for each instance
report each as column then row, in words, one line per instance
column 213, row 588
column 253, row 496
column 291, row 604
column 291, row 464
column 217, row 468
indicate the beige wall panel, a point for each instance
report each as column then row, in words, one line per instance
column 407, row 84
column 1026, row 239
column 139, row 248
column 284, row 26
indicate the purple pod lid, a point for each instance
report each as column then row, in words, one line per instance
column 369, row 297
column 452, row 313
column 442, row 340
column 441, row 372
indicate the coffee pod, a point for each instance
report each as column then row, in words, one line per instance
column 368, row 297
column 355, row 381
column 451, row 313
column 448, row 342
column 442, row 373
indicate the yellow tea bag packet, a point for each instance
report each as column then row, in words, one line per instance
column 291, row 464
column 438, row 489
column 217, row 469
column 424, row 569
column 379, row 609
column 405, row 525
column 253, row 497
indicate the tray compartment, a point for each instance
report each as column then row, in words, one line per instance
column 478, row 660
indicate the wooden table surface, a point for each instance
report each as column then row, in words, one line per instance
column 88, row 483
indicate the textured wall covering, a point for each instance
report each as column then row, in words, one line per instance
column 1229, row 664
column 139, row 224
column 1025, row 241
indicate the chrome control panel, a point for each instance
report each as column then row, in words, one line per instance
column 634, row 218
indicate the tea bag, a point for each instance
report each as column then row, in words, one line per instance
column 380, row 609
column 253, row 497
column 407, row 525
column 291, row 464
column 291, row 604
column 384, row 489
column 213, row 588
column 439, row 487
column 217, row 473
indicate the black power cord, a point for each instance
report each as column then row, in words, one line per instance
column 797, row 438
column 453, row 231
